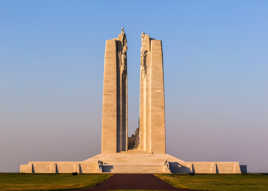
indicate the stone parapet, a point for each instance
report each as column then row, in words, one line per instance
column 59, row 167
column 214, row 167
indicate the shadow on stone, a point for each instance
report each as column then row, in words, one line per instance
column 107, row 168
column 217, row 169
column 243, row 169
column 177, row 168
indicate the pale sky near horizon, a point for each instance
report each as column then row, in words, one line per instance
column 216, row 76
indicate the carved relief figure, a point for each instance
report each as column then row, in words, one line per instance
column 123, row 54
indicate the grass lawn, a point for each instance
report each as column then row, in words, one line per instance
column 250, row 182
column 36, row 182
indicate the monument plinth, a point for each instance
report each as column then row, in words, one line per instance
column 145, row 151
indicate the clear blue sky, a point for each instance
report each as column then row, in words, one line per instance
column 216, row 76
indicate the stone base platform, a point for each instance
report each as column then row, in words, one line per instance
column 131, row 162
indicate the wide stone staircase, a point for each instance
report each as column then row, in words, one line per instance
column 133, row 162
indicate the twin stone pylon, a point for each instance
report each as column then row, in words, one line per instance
column 151, row 137
column 115, row 103
column 149, row 154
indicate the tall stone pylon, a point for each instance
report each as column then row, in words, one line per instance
column 115, row 96
column 152, row 138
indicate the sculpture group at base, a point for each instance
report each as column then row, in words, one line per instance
column 144, row 152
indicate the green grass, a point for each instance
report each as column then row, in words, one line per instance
column 38, row 182
column 250, row 182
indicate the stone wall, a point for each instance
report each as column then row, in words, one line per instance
column 214, row 167
column 60, row 167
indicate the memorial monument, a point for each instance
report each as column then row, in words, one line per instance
column 145, row 151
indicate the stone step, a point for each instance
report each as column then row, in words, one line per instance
column 132, row 161
column 133, row 168
column 134, row 164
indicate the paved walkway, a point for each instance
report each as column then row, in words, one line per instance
column 134, row 181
